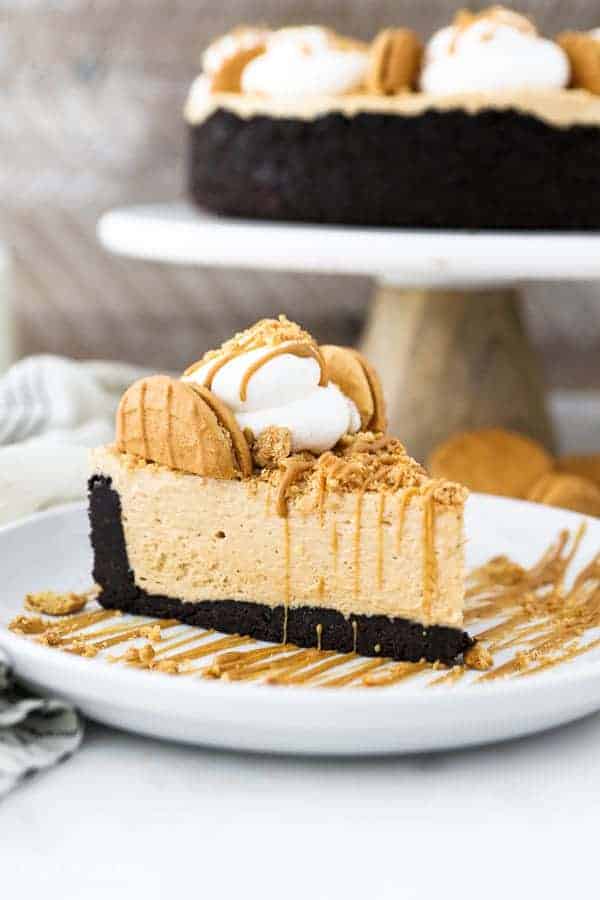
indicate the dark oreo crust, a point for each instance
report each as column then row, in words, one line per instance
column 496, row 169
column 397, row 638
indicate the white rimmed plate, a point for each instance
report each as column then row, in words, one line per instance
column 51, row 551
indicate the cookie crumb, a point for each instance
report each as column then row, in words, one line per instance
column 28, row 625
column 169, row 666
column 142, row 656
column 273, row 446
column 477, row 657
column 53, row 604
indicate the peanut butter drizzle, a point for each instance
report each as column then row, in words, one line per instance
column 166, row 646
column 234, row 640
column 334, row 550
column 319, row 630
column 292, row 469
column 356, row 541
column 380, row 537
column 321, row 496
column 321, row 588
column 298, row 659
column 303, row 659
column 450, row 677
column 216, row 367
column 429, row 560
column 403, row 504
column 295, row 348
column 364, row 446
column 399, row 672
column 73, row 624
column 237, row 659
column 356, row 674
column 119, row 634
column 287, row 576
column 309, row 675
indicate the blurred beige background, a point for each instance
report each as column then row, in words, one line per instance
column 91, row 117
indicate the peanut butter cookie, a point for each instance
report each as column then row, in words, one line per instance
column 492, row 461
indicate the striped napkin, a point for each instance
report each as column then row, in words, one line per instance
column 35, row 733
column 51, row 410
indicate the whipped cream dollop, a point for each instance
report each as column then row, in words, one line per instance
column 495, row 52
column 305, row 62
column 285, row 392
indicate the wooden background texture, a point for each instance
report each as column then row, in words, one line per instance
column 92, row 92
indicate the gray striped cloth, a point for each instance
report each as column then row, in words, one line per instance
column 35, row 733
column 51, row 410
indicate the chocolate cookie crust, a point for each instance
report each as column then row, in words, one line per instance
column 495, row 169
column 396, row 638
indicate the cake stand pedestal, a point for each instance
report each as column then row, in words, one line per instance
column 444, row 330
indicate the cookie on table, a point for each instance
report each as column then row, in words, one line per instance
column 587, row 466
column 568, row 492
column 492, row 461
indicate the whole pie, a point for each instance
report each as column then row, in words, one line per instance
column 260, row 494
column 488, row 125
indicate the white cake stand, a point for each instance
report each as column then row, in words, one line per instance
column 444, row 328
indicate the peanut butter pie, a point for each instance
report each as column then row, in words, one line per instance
column 487, row 125
column 260, row 494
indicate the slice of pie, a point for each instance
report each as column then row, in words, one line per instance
column 259, row 494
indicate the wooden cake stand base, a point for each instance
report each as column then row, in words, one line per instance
column 452, row 360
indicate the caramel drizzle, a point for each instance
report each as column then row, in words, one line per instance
column 398, row 672
column 362, row 445
column 292, row 469
column 453, row 675
column 287, row 579
column 212, row 371
column 295, row 348
column 319, row 631
column 357, row 541
column 403, row 504
column 335, row 546
column 380, row 537
column 429, row 560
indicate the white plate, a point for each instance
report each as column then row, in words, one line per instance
column 50, row 551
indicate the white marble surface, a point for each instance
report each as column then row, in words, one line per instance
column 134, row 818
